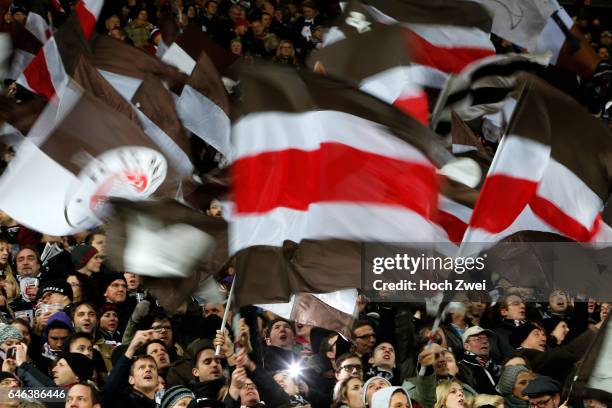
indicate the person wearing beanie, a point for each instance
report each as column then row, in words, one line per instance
column 72, row 368
column 113, row 288
column 19, row 13
column 9, row 337
column 556, row 330
column 55, row 292
column 529, row 335
column 108, row 324
column 86, row 259
column 206, row 369
column 391, row 397
column 511, row 384
column 177, row 396
column 370, row 387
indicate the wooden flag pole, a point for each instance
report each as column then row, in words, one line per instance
column 225, row 313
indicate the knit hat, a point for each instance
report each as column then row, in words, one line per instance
column 5, row 374
column 241, row 22
column 106, row 307
column 364, row 389
column 59, row 320
column 520, row 333
column 109, row 278
column 82, row 254
column 61, row 287
column 81, row 366
column 8, row 332
column 551, row 323
column 174, row 394
column 508, row 379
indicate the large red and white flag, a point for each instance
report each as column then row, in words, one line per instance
column 49, row 71
column 543, row 177
column 319, row 167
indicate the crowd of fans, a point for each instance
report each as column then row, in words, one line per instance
column 69, row 320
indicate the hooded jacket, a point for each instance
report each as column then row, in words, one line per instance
column 382, row 398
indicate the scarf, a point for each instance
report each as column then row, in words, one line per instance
column 485, row 362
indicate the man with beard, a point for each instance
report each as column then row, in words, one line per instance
column 133, row 381
column 84, row 318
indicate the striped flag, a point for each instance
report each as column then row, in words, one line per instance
column 25, row 48
column 377, row 61
column 49, row 71
column 79, row 153
column 482, row 87
column 319, row 167
column 447, row 35
column 544, row 177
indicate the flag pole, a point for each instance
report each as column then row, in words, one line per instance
column 226, row 313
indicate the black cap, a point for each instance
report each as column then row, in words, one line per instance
column 61, row 287
column 205, row 403
column 199, row 345
column 542, row 385
column 520, row 333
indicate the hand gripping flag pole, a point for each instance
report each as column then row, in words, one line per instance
column 225, row 313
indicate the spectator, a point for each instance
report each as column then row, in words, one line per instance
column 133, row 380
column 449, row 394
column 177, row 397
column 139, row 29
column 395, row 397
column 476, row 368
column 349, row 365
column 347, row 393
column 83, row 395
column 543, row 391
column 86, row 260
column 511, row 385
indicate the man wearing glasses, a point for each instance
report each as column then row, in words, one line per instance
column 477, row 369
column 364, row 338
column 348, row 365
column 543, row 392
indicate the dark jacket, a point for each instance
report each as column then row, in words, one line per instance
column 117, row 392
column 32, row 377
column 482, row 378
column 559, row 362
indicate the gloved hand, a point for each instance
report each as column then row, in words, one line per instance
column 141, row 311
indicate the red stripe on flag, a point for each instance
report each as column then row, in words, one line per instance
column 446, row 59
column 417, row 107
column 296, row 179
column 501, row 201
column 454, row 227
column 38, row 77
column 558, row 219
column 87, row 20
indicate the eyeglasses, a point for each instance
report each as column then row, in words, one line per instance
column 249, row 385
column 366, row 336
column 540, row 404
column 479, row 339
column 350, row 367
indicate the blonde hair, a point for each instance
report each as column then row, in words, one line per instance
column 487, row 399
column 340, row 391
column 11, row 278
column 442, row 390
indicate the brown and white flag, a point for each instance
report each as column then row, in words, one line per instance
column 79, row 153
column 318, row 168
column 543, row 177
